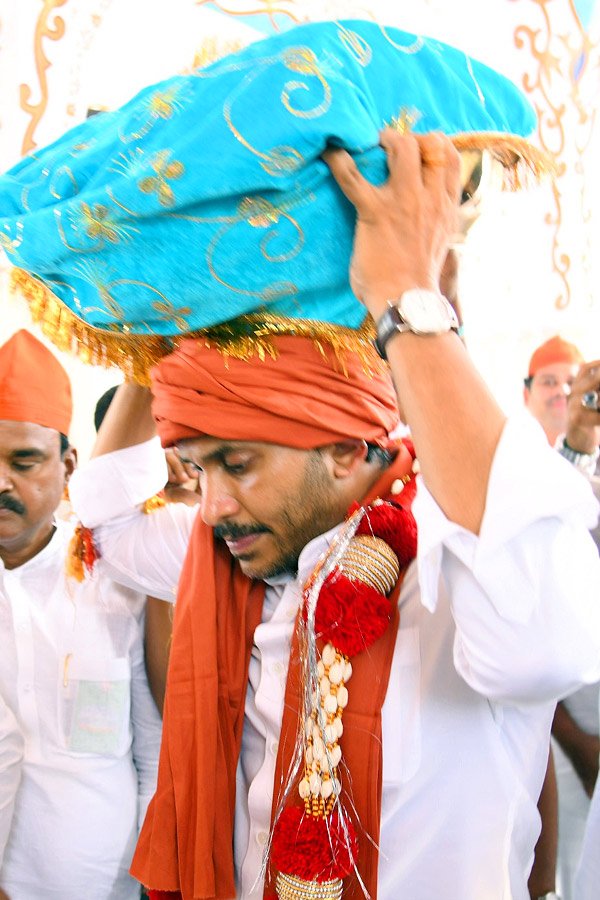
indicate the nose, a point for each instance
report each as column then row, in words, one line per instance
column 217, row 504
column 6, row 482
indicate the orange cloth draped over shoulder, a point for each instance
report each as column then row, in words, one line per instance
column 34, row 387
column 304, row 399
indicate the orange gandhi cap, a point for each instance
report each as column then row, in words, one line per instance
column 34, row 387
column 556, row 350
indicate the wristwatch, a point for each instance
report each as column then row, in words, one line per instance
column 551, row 895
column 583, row 462
column 417, row 310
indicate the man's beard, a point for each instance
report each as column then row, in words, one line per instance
column 308, row 514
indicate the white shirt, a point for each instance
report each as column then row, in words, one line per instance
column 72, row 671
column 11, row 758
column 493, row 629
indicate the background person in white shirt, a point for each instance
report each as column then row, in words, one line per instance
column 557, row 381
column 72, row 665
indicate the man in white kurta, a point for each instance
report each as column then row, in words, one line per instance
column 71, row 669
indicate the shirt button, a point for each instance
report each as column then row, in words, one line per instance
column 262, row 838
column 274, row 747
column 278, row 668
column 291, row 612
column 27, row 688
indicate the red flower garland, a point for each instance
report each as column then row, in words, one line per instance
column 350, row 614
column 311, row 848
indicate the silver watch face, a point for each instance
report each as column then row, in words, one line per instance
column 426, row 312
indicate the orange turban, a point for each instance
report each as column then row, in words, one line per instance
column 34, row 387
column 556, row 350
column 303, row 398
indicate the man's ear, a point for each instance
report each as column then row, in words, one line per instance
column 346, row 456
column 526, row 393
column 70, row 461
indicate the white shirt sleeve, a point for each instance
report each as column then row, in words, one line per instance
column 11, row 757
column 144, row 552
column 525, row 593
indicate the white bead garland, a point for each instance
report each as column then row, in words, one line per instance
column 323, row 753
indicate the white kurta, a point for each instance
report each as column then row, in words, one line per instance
column 11, row 759
column 493, row 629
column 72, row 670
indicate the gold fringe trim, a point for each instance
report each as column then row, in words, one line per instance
column 243, row 338
column 521, row 160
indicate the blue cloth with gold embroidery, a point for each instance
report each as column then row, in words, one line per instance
column 205, row 196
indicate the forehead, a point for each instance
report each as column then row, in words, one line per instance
column 205, row 448
column 558, row 371
column 27, row 436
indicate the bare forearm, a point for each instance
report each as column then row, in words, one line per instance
column 454, row 420
column 128, row 420
column 581, row 748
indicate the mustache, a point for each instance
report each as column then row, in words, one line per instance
column 8, row 502
column 233, row 532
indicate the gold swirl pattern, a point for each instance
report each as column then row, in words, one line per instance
column 416, row 45
column 270, row 9
column 283, row 160
column 42, row 30
column 260, row 213
column 356, row 44
column 303, row 60
column 554, row 133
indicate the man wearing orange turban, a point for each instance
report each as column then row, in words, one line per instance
column 71, row 667
column 439, row 735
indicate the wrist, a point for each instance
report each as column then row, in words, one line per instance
column 583, row 461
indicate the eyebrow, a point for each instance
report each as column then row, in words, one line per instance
column 28, row 454
column 217, row 455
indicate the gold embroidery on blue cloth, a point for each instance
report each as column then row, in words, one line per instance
column 12, row 244
column 416, row 45
column 157, row 184
column 131, row 163
column 282, row 160
column 98, row 222
column 304, row 61
column 159, row 105
column 475, row 82
column 168, row 313
column 64, row 170
column 355, row 44
column 405, row 121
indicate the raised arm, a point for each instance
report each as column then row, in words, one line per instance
column 402, row 235
column 128, row 420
